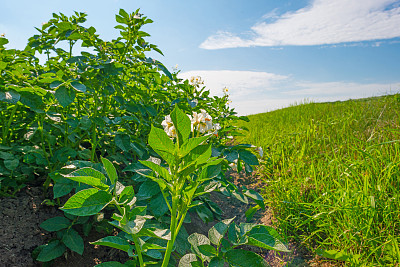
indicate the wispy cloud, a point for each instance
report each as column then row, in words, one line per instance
column 255, row 92
column 321, row 22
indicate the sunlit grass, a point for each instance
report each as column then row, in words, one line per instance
column 333, row 174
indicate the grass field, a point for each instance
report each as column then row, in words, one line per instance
column 333, row 176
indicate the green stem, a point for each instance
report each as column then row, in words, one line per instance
column 138, row 250
column 7, row 128
column 70, row 49
column 94, row 143
column 40, row 128
column 170, row 243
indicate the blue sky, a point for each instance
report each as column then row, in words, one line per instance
column 269, row 54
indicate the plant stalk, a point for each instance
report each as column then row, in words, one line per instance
column 5, row 133
column 173, row 229
column 138, row 250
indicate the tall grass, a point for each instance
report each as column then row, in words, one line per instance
column 333, row 175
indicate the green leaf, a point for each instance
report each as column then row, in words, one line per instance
column 47, row 77
column 73, row 241
column 126, row 195
column 138, row 149
column 209, row 172
column 217, row 262
column 207, row 250
column 113, row 242
column 55, row 224
column 251, row 211
column 191, row 144
column 158, row 169
column 31, row 100
column 123, row 13
column 87, row 202
column 6, row 156
column 196, row 240
column 244, row 118
column 110, row 169
column 206, row 188
column 52, row 250
column 167, row 156
column 11, row 164
column 3, row 41
column 256, row 197
column 11, row 97
column 164, row 234
column 132, row 226
column 158, row 206
column 201, row 153
column 64, row 25
column 120, row 19
column 153, row 253
column 198, row 156
column 65, row 96
column 239, row 196
column 233, row 233
column 62, row 187
column 244, row 258
column 123, row 141
column 148, row 189
column 188, row 260
column 78, row 86
column 182, row 124
column 204, row 213
column 55, row 84
column 266, row 237
column 88, row 176
column 248, row 157
column 159, row 140
column 218, row 231
column 163, row 68
column 246, row 227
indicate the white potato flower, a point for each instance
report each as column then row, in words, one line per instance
column 202, row 121
column 196, row 81
column 169, row 127
column 138, row 16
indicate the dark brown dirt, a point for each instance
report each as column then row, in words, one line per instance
column 19, row 226
column 20, row 233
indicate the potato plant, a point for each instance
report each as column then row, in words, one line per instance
column 64, row 113
column 100, row 102
column 189, row 172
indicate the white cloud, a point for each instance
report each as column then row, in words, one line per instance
column 240, row 83
column 322, row 22
column 255, row 92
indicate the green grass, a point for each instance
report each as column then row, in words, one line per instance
column 333, row 175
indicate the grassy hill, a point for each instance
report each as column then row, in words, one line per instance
column 333, row 176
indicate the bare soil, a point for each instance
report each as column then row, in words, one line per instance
column 20, row 233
